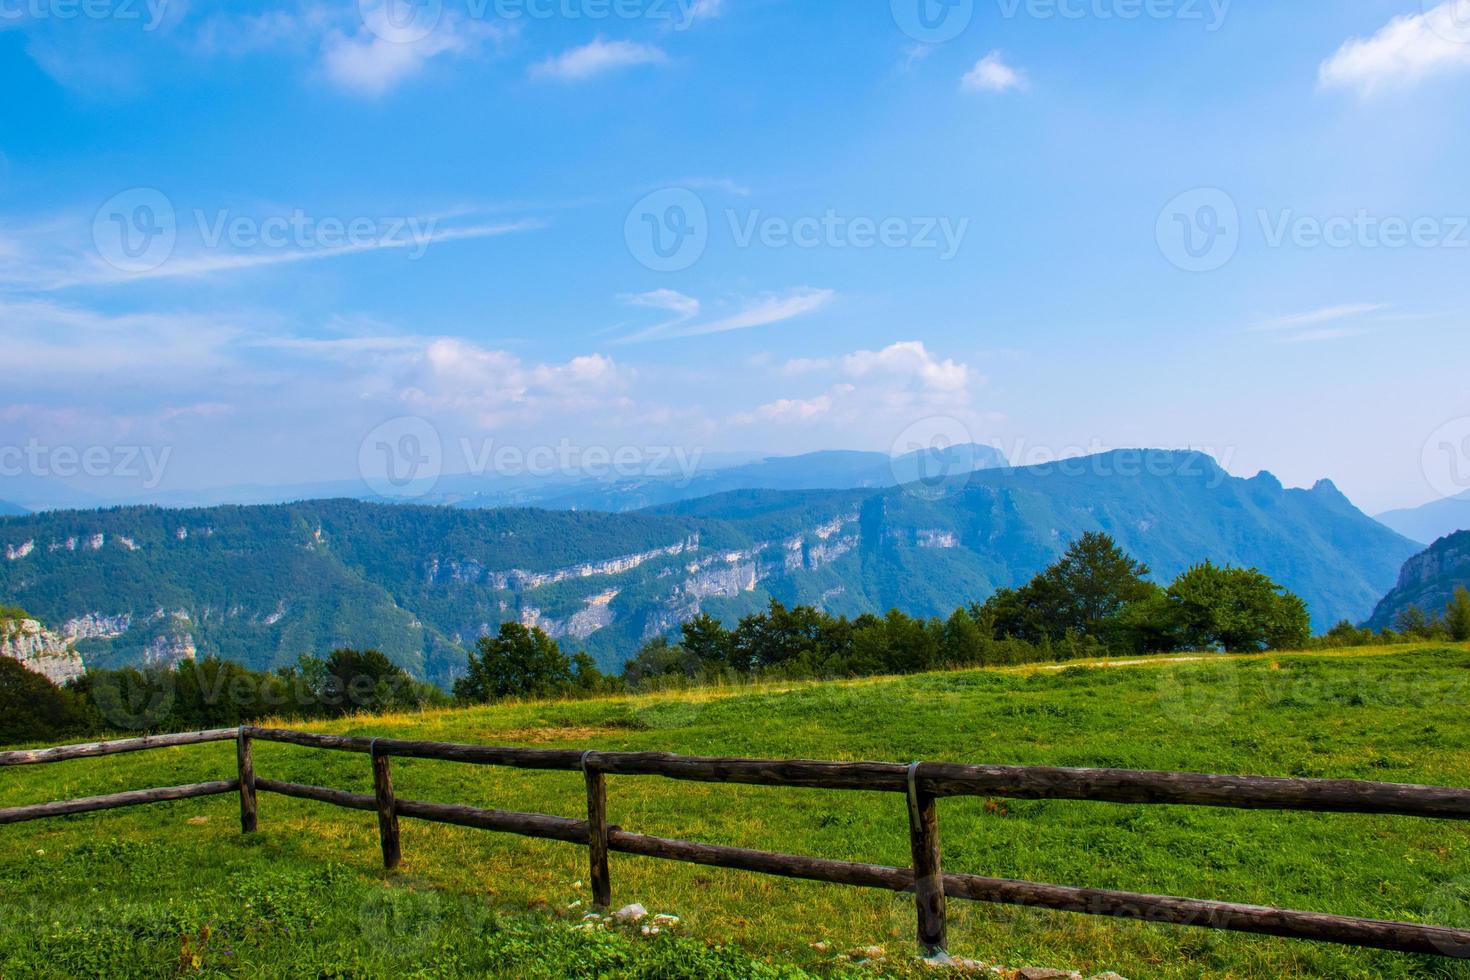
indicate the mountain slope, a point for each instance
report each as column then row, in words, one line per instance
column 7, row 509
column 1428, row 580
column 263, row 585
column 1433, row 520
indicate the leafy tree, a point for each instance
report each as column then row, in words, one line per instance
column 707, row 641
column 1080, row 594
column 1238, row 609
column 517, row 663
column 366, row 681
column 32, row 709
column 660, row 658
column 1457, row 616
column 1415, row 623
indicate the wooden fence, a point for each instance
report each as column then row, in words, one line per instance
column 922, row 783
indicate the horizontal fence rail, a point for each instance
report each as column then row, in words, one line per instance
column 922, row 783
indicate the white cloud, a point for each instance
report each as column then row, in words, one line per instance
column 370, row 62
column 495, row 387
column 1406, row 51
column 596, row 58
column 876, row 392
column 908, row 360
column 992, row 74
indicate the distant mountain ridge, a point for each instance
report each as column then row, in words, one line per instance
column 663, row 482
column 1428, row 580
column 1431, row 521
column 262, row 585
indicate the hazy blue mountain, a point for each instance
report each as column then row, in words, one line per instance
column 830, row 470
column 667, row 482
column 1428, row 580
column 264, row 584
column 7, row 509
column 1433, row 520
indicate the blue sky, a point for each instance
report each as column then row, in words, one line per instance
column 250, row 235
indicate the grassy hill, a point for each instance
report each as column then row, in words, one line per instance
column 140, row 892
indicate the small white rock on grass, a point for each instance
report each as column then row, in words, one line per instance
column 629, row 914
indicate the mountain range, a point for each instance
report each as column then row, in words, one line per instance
column 651, row 480
column 263, row 584
column 1433, row 520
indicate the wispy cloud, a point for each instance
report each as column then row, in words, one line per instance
column 1406, row 51
column 597, row 58
column 1325, row 315
column 50, row 260
column 762, row 312
column 992, row 74
column 1308, row 327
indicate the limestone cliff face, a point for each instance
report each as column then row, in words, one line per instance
column 40, row 650
column 1428, row 580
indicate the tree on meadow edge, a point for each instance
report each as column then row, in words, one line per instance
column 1079, row 595
column 1457, row 615
column 522, row 662
column 1237, row 609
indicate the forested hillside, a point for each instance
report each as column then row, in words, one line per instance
column 263, row 585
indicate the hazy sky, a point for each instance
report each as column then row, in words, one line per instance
column 263, row 240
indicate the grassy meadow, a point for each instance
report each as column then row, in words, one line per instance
column 175, row 889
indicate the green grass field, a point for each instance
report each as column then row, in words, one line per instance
column 158, row 891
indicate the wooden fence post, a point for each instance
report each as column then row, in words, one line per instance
column 387, row 808
column 244, row 757
column 597, row 834
column 928, row 875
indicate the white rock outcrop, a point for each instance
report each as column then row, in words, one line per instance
column 40, row 650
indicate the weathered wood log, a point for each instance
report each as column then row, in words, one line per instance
column 600, row 874
column 1396, row 936
column 525, row 824
column 875, row 776
column 928, row 872
column 321, row 794
column 947, row 779
column 87, row 750
column 387, row 811
column 135, row 797
column 246, row 762
column 568, row 760
column 1239, row 792
column 1402, row 937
